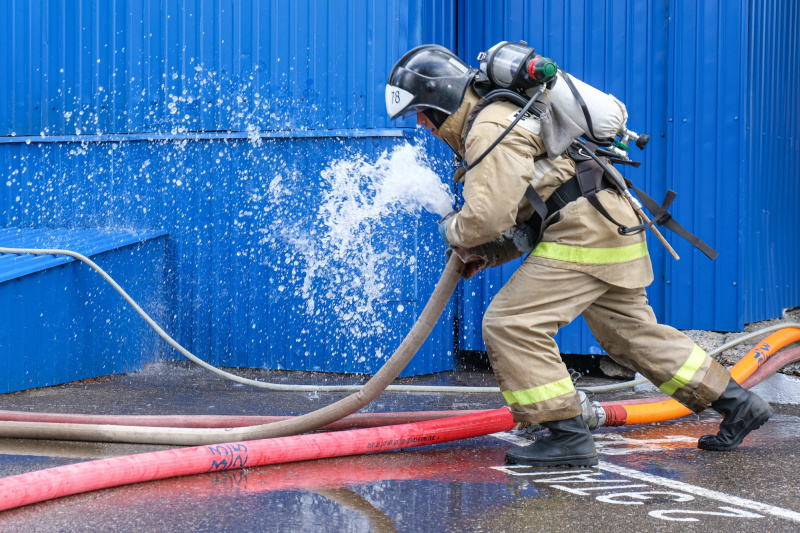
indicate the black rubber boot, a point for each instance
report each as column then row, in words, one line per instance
column 742, row 412
column 569, row 444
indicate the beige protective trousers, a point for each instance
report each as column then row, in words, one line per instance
column 519, row 326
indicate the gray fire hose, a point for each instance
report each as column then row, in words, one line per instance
column 295, row 426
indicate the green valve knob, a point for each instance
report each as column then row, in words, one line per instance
column 621, row 145
column 542, row 69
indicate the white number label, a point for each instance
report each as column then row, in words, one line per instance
column 397, row 99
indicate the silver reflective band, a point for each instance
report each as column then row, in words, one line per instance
column 458, row 64
column 397, row 99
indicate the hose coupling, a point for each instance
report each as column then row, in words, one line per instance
column 593, row 413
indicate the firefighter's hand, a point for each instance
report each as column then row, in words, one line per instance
column 474, row 260
column 472, row 268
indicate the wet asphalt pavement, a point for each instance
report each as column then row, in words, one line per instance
column 651, row 478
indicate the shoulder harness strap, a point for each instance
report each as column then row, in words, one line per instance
column 580, row 100
column 473, row 114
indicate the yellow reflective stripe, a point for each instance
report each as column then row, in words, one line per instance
column 686, row 372
column 540, row 393
column 597, row 256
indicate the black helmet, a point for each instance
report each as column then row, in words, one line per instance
column 431, row 79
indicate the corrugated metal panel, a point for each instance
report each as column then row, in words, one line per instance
column 154, row 119
column 706, row 137
column 65, row 323
column 206, row 65
column 772, row 233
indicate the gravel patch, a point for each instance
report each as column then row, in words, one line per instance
column 708, row 340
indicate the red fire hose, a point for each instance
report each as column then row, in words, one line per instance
column 33, row 487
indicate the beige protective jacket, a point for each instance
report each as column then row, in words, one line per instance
column 494, row 202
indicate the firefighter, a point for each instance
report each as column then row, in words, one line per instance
column 580, row 265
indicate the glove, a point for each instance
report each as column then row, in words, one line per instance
column 443, row 226
column 474, row 260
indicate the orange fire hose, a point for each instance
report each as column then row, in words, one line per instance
column 661, row 410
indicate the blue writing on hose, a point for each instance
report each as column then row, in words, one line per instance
column 227, row 456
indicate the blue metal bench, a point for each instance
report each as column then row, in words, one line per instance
column 61, row 322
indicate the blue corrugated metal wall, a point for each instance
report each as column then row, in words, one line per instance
column 193, row 117
column 772, row 231
column 678, row 67
column 183, row 115
column 706, row 152
column 128, row 66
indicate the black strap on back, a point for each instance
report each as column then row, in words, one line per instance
column 541, row 212
column 581, row 101
column 589, row 175
column 539, row 206
column 659, row 212
column 663, row 218
column 550, row 210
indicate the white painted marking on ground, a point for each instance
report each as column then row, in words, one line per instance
column 511, row 469
column 700, row 491
column 584, row 491
column 652, row 479
column 638, row 498
column 665, row 514
column 575, row 477
column 627, row 440
column 513, row 439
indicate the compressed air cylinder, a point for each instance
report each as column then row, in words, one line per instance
column 608, row 115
